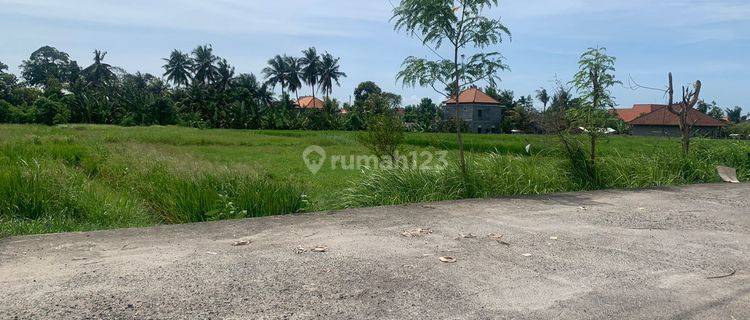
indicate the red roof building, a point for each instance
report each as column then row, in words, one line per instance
column 480, row 112
column 656, row 119
column 473, row 96
column 308, row 102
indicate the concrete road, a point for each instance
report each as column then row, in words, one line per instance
column 677, row 253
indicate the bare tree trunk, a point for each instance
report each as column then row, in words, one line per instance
column 313, row 94
column 459, row 121
column 689, row 99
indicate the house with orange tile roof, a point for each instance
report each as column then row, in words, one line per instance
column 308, row 102
column 479, row 111
column 657, row 120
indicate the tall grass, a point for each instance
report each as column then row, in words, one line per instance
column 58, row 183
column 495, row 174
column 205, row 197
column 88, row 177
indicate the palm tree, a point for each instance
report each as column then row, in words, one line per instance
column 294, row 73
column 330, row 72
column 204, row 64
column 225, row 73
column 178, row 68
column 276, row 73
column 543, row 96
column 99, row 73
column 264, row 96
column 310, row 63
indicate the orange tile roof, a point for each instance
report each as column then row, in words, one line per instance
column 473, row 95
column 661, row 116
column 638, row 110
column 307, row 102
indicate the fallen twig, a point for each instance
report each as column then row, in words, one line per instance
column 723, row 276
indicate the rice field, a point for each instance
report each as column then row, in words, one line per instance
column 89, row 177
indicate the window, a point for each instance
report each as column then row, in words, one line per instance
column 479, row 113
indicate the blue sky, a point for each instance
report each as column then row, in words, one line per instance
column 695, row 39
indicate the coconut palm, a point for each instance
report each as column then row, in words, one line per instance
column 99, row 73
column 543, row 96
column 204, row 64
column 294, row 73
column 329, row 73
column 276, row 73
column 310, row 63
column 225, row 73
column 178, row 68
column 264, row 96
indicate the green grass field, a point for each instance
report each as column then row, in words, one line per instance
column 87, row 177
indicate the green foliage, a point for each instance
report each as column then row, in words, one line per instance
column 207, row 197
column 204, row 63
column 311, row 66
column 178, row 68
column 742, row 129
column 497, row 174
column 543, row 97
column 734, row 115
column 384, row 135
column 439, row 22
column 51, row 112
column 716, row 112
column 110, row 177
column 49, row 63
column 593, row 80
column 330, row 73
column 99, row 74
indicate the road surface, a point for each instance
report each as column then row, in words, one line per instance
column 673, row 253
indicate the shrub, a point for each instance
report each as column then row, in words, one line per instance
column 51, row 112
column 384, row 134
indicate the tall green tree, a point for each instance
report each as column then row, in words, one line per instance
column 311, row 66
column 427, row 112
column 99, row 74
column 716, row 112
column 294, row 72
column 224, row 75
column 330, row 72
column 463, row 27
column 205, row 70
column 703, row 106
column 543, row 97
column 593, row 80
column 48, row 63
column 363, row 91
column 734, row 114
column 277, row 73
column 3, row 67
column 178, row 68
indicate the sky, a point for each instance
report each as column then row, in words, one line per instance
column 694, row 39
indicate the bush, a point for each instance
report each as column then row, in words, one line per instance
column 5, row 109
column 384, row 135
column 51, row 112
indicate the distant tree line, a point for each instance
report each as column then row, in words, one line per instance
column 197, row 89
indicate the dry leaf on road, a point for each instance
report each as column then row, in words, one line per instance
column 498, row 238
column 416, row 232
column 447, row 259
column 240, row 243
